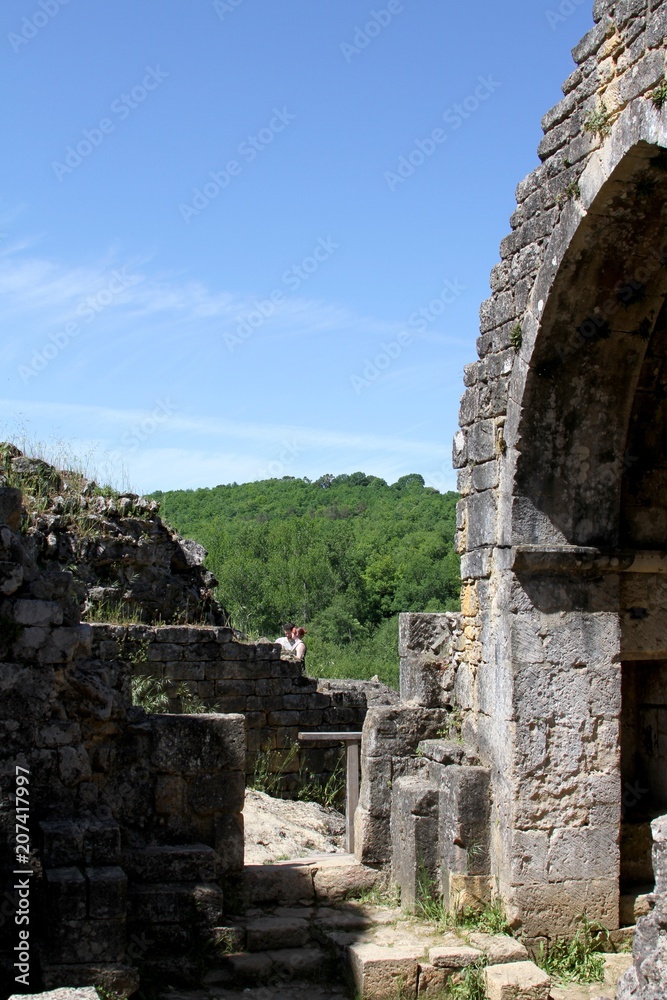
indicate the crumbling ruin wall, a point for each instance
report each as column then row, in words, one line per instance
column 555, row 481
column 268, row 687
column 646, row 979
column 117, row 828
column 121, row 557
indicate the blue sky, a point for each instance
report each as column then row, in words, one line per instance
column 242, row 239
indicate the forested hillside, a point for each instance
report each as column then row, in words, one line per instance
column 340, row 556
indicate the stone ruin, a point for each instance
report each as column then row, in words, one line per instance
column 121, row 831
column 527, row 758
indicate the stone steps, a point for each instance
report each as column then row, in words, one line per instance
column 299, row 935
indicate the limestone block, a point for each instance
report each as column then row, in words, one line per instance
column 414, row 834
column 185, row 863
column 499, row 949
column 583, row 853
column 466, row 891
column 229, row 843
column 264, row 933
column 65, row 893
column 62, row 843
column 551, row 909
column 101, row 842
column 215, row 793
column 208, row 902
column 123, row 980
column 464, row 819
column 384, row 973
column 89, row 941
column 170, row 795
column 338, row 877
column 107, row 892
column 188, row 744
column 64, row 993
column 517, row 981
column 161, row 903
column 279, row 883
column 454, row 958
column 481, row 513
column 432, row 982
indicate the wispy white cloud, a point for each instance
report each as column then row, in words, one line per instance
column 110, row 419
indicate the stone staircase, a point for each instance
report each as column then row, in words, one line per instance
column 298, row 935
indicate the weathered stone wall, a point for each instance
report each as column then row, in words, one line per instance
column 558, row 493
column 118, row 552
column 267, row 687
column 647, row 977
column 130, row 820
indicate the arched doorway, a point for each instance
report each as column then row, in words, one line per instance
column 583, row 498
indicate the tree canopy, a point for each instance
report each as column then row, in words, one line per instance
column 341, row 556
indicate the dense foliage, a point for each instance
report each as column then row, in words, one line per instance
column 340, row 556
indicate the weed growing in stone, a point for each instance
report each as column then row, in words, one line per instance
column 569, row 193
column 491, row 919
column 516, row 336
column 659, row 95
column 598, row 122
column 378, row 895
column 429, row 904
column 271, row 767
column 468, row 985
column 580, row 960
column 150, row 693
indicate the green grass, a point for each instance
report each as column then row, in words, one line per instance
column 488, row 919
column 579, row 960
column 272, row 766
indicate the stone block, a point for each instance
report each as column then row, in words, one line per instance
column 184, row 863
column 229, row 842
column 265, row 933
column 481, row 523
column 454, row 958
column 62, row 843
column 167, row 903
column 381, row 973
column 190, row 744
column 465, row 805
column 107, row 892
column 517, row 981
column 432, row 982
column 279, row 883
column 11, row 507
column 123, row 980
column 65, row 893
column 340, row 877
column 215, row 793
column 414, row 835
column 170, row 795
column 465, row 892
column 62, row 993
column 37, row 613
column 86, row 942
column 101, row 842
column 499, row 949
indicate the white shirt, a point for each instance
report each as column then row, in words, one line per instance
column 286, row 643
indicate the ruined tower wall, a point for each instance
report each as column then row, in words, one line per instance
column 541, row 453
column 101, row 805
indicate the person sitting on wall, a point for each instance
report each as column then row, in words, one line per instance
column 299, row 645
column 287, row 641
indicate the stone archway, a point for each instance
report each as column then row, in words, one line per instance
column 579, row 544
